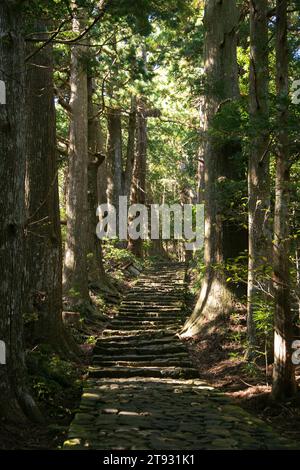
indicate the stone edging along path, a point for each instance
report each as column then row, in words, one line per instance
column 142, row 390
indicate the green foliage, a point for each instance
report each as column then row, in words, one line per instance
column 116, row 258
column 140, row 14
column 92, row 340
column 30, row 317
column 54, row 381
column 74, row 293
column 250, row 369
column 197, row 272
column 263, row 317
column 237, row 269
column 113, row 253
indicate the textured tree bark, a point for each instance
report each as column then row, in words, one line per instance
column 216, row 297
column 102, row 176
column 102, row 182
column 185, row 198
column 130, row 154
column 16, row 402
column 258, row 170
column 297, row 266
column 114, row 157
column 96, row 158
column 200, row 156
column 97, row 277
column 156, row 247
column 284, row 384
column 75, row 276
column 138, row 188
column 44, row 251
column 200, row 181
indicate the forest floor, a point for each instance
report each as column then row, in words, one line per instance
column 56, row 384
column 223, row 368
column 145, row 392
column 247, row 383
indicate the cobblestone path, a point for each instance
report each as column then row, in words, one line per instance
column 143, row 392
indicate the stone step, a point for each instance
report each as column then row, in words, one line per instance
column 152, row 312
column 174, row 297
column 156, row 372
column 166, row 276
column 174, row 309
column 164, row 314
column 175, row 284
column 123, row 344
column 124, row 323
column 124, row 332
column 155, row 322
column 152, row 316
column 164, row 272
column 148, row 302
column 163, row 281
column 169, row 291
column 143, row 316
column 153, row 350
column 132, row 316
column 158, row 362
column 98, row 358
column 168, row 315
column 164, row 296
column 143, row 335
column 135, row 344
column 150, row 308
column 140, row 340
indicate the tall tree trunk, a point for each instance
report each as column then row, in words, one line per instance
column 75, row 276
column 44, row 251
column 216, row 297
column 297, row 267
column 15, row 399
column 185, row 198
column 284, row 385
column 156, row 247
column 97, row 276
column 200, row 180
column 102, row 182
column 127, row 177
column 138, row 188
column 114, row 157
column 102, row 176
column 258, row 171
column 96, row 158
column 201, row 155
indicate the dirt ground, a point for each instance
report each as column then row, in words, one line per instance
column 224, row 367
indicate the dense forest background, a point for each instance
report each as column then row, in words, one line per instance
column 178, row 101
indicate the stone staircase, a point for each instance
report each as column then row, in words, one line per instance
column 142, row 390
column 141, row 341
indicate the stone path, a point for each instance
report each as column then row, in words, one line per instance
column 143, row 392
